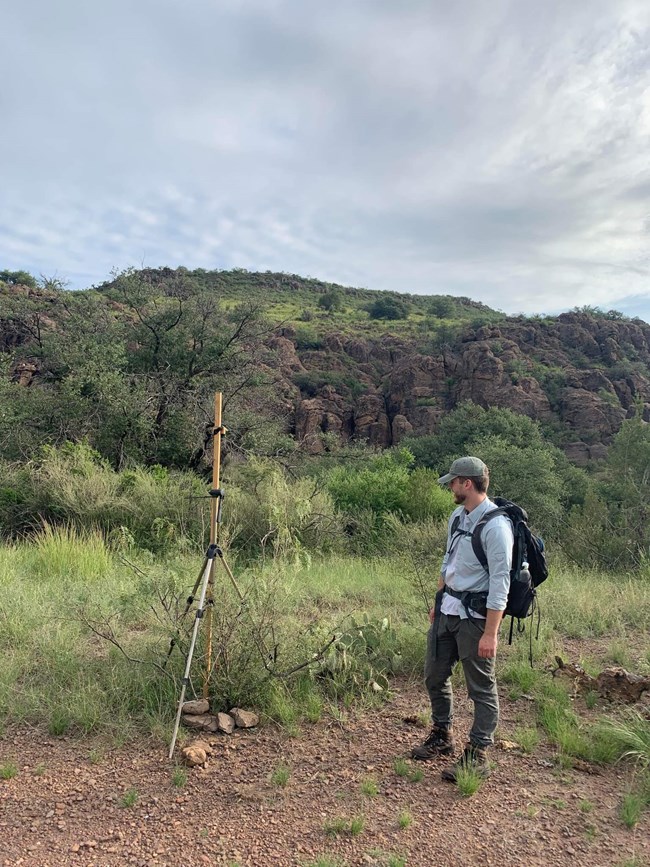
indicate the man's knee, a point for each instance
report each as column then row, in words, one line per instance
column 437, row 676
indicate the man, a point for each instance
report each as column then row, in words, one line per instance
column 465, row 622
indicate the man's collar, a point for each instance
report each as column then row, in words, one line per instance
column 473, row 517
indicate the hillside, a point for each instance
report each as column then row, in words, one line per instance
column 326, row 362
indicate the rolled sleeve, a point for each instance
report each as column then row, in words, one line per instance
column 497, row 543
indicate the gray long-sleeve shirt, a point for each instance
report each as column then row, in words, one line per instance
column 466, row 572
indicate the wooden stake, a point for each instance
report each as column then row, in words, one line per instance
column 214, row 536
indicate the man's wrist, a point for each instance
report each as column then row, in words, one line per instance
column 493, row 623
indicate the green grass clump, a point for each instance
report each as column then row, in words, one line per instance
column 406, row 770
column 179, row 777
column 8, row 770
column 342, row 826
column 527, row 738
column 326, row 861
column 631, row 809
column 280, row 776
column 619, row 653
column 468, row 780
column 129, row 798
column 627, row 737
column 404, row 820
column 370, row 787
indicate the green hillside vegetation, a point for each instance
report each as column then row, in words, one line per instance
column 291, row 299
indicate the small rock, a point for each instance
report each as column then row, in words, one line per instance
column 244, row 719
column 507, row 745
column 225, row 723
column 197, row 707
column 206, row 722
column 196, row 754
column 194, row 757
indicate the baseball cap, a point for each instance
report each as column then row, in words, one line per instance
column 467, row 466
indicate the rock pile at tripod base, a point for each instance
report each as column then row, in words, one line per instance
column 198, row 719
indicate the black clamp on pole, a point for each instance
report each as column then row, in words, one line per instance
column 219, row 495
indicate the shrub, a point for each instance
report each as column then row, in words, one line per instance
column 274, row 514
column 71, row 485
column 379, row 497
column 388, row 308
column 331, row 301
column 442, row 306
column 379, row 487
column 308, row 338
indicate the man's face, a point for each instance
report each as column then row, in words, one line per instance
column 458, row 487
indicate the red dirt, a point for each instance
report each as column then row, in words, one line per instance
column 64, row 809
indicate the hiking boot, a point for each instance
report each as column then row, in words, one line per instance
column 440, row 742
column 473, row 758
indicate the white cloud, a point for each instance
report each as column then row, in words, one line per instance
column 493, row 150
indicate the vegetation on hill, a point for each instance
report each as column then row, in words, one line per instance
column 106, row 400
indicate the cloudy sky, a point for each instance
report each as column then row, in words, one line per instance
column 496, row 149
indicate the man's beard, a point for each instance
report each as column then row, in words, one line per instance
column 459, row 498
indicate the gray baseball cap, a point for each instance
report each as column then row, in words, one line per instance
column 471, row 467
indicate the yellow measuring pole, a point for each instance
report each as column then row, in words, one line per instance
column 214, row 534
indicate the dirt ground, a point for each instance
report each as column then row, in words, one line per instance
column 66, row 805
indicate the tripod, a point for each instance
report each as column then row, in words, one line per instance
column 206, row 577
column 205, row 582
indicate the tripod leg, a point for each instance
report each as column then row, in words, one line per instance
column 209, row 566
column 188, row 605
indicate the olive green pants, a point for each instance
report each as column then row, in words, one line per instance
column 452, row 639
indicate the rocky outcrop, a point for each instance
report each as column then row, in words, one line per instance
column 584, row 372
column 587, row 373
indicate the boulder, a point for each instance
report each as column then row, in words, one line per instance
column 244, row 719
column 196, row 754
column 199, row 706
column 205, row 722
column 617, row 684
column 401, row 427
column 225, row 723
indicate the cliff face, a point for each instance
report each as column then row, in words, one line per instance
column 580, row 373
column 583, row 373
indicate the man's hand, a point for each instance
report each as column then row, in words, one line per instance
column 487, row 646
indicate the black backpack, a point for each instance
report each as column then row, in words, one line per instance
column 527, row 549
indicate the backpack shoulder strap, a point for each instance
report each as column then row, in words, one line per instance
column 477, row 544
